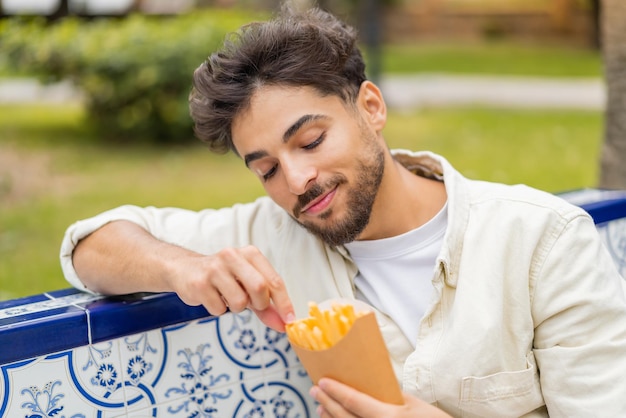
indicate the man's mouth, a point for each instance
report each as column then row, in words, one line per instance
column 314, row 200
column 320, row 203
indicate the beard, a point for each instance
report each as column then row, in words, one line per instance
column 360, row 200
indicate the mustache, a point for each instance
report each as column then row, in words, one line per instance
column 307, row 197
column 313, row 193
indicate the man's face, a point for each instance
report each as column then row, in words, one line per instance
column 316, row 158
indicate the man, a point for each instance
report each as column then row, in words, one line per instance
column 493, row 300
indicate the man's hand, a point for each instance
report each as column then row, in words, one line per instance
column 234, row 279
column 340, row 401
column 122, row 258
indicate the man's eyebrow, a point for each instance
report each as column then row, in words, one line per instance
column 253, row 156
column 290, row 132
column 293, row 129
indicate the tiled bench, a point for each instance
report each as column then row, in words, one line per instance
column 608, row 210
column 70, row 354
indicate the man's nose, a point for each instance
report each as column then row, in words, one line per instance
column 299, row 175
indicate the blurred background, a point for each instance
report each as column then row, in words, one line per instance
column 93, row 104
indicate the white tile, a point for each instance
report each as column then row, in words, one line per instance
column 233, row 400
column 47, row 387
column 142, row 362
column 203, row 355
column 231, row 366
column 242, row 340
column 97, row 373
column 278, row 354
column 252, row 399
column 288, row 393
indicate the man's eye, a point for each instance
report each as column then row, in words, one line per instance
column 317, row 142
column 268, row 175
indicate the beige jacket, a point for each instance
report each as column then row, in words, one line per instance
column 529, row 315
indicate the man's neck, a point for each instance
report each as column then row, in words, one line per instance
column 404, row 202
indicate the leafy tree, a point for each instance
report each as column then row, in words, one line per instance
column 135, row 72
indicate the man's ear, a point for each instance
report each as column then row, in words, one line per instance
column 370, row 101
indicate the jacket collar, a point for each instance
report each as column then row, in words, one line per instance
column 431, row 165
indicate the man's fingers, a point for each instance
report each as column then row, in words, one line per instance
column 339, row 400
column 245, row 278
column 329, row 407
column 266, row 288
column 270, row 318
column 232, row 293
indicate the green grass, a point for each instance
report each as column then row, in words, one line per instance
column 552, row 150
column 498, row 57
column 74, row 177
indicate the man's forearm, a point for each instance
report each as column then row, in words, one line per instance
column 121, row 257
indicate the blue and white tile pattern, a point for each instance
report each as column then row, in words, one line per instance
column 228, row 366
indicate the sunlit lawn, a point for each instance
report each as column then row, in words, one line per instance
column 496, row 57
column 549, row 149
column 70, row 177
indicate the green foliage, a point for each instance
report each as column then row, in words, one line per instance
column 135, row 72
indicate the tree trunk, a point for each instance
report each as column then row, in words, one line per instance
column 613, row 158
column 62, row 11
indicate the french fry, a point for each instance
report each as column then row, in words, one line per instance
column 322, row 329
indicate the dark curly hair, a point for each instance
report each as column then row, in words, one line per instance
column 307, row 48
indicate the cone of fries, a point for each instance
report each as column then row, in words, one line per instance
column 345, row 344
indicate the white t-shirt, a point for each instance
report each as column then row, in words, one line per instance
column 395, row 273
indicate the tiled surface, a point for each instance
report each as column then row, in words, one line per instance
column 55, row 321
column 231, row 366
column 67, row 318
column 71, row 354
column 614, row 236
column 608, row 209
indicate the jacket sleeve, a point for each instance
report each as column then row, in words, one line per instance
column 579, row 311
column 205, row 231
